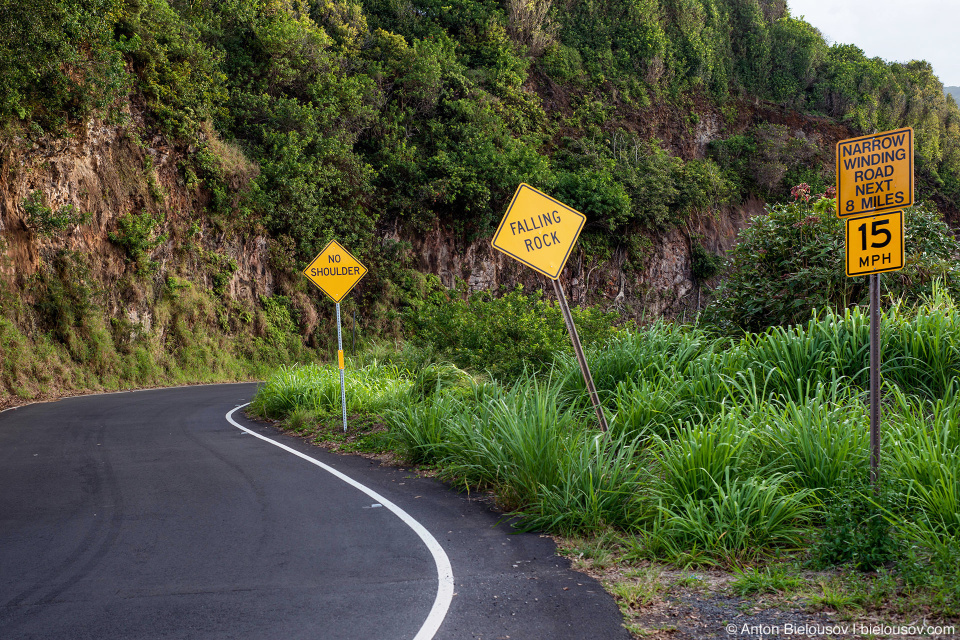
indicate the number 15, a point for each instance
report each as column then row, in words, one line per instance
column 875, row 230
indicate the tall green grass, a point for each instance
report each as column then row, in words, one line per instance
column 818, row 441
column 922, row 350
column 718, row 450
column 923, row 447
column 741, row 519
column 373, row 388
column 528, row 445
column 695, row 459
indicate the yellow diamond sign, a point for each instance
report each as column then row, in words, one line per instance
column 538, row 231
column 335, row 271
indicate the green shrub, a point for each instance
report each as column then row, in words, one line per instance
column 68, row 304
column 789, row 262
column 561, row 63
column 178, row 74
column 138, row 235
column 44, row 220
column 703, row 264
column 59, row 61
column 618, row 179
column 505, row 336
column 856, row 529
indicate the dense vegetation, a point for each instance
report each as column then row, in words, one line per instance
column 788, row 264
column 729, row 445
column 66, row 342
column 720, row 451
column 359, row 113
column 314, row 119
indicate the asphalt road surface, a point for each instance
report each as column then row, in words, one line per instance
column 154, row 514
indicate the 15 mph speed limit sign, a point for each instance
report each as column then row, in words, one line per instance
column 875, row 243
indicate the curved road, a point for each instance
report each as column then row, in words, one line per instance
column 148, row 514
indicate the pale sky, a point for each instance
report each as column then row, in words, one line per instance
column 895, row 30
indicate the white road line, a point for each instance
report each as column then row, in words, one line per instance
column 444, row 571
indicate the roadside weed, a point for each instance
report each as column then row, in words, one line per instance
column 638, row 589
column 770, row 579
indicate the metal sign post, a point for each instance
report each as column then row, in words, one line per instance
column 335, row 271
column 875, row 380
column 874, row 184
column 540, row 232
column 343, row 388
column 581, row 358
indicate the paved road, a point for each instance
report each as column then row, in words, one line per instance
column 149, row 515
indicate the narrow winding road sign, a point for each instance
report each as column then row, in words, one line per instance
column 875, row 173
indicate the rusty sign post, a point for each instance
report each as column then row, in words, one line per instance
column 540, row 232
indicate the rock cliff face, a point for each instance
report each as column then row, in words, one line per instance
column 108, row 172
column 663, row 286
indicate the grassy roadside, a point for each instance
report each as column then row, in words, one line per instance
column 61, row 341
column 773, row 598
column 659, row 599
column 41, row 369
column 744, row 460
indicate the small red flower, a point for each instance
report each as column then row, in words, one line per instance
column 801, row 192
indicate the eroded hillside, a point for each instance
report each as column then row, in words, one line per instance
column 169, row 167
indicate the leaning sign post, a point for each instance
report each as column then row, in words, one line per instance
column 540, row 232
column 874, row 185
column 335, row 272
